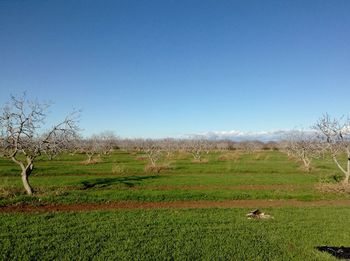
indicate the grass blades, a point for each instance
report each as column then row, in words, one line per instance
column 200, row 234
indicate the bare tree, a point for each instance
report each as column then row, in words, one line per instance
column 168, row 145
column 270, row 145
column 59, row 144
column 108, row 140
column 251, row 146
column 21, row 124
column 125, row 144
column 196, row 147
column 91, row 146
column 335, row 137
column 222, row 145
column 303, row 146
column 153, row 151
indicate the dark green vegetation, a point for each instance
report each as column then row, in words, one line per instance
column 122, row 176
column 210, row 234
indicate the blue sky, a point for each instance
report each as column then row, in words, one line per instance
column 167, row 68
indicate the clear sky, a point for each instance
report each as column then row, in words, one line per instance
column 166, row 68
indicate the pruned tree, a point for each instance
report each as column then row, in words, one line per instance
column 251, row 146
column 125, row 144
column 303, row 146
column 168, row 145
column 270, row 145
column 23, row 138
column 153, row 152
column 196, row 147
column 140, row 144
column 91, row 146
column 222, row 145
column 334, row 135
column 58, row 145
column 108, row 140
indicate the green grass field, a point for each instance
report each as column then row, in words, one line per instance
column 210, row 234
column 163, row 234
column 66, row 180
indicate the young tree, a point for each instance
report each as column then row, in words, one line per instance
column 196, row 146
column 168, row 145
column 251, row 146
column 58, row 144
column 222, row 145
column 91, row 146
column 102, row 143
column 335, row 137
column 153, row 151
column 109, row 141
column 22, row 135
column 302, row 146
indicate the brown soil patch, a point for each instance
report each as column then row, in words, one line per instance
column 174, row 204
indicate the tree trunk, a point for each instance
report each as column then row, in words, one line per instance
column 26, row 170
column 306, row 162
column 347, row 174
column 89, row 157
column 25, row 176
column 153, row 162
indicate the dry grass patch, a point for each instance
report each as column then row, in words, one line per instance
column 261, row 156
column 141, row 158
column 53, row 191
column 230, row 156
column 200, row 161
column 118, row 169
column 180, row 155
column 158, row 168
column 91, row 162
column 338, row 188
column 9, row 192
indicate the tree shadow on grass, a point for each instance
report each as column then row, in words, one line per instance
column 106, row 182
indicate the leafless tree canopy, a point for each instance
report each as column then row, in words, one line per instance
column 21, row 124
column 195, row 145
column 108, row 140
column 153, row 151
column 303, row 146
column 334, row 135
column 97, row 144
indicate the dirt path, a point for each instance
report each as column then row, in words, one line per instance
column 175, row 204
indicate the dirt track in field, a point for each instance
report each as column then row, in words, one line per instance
column 174, row 204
